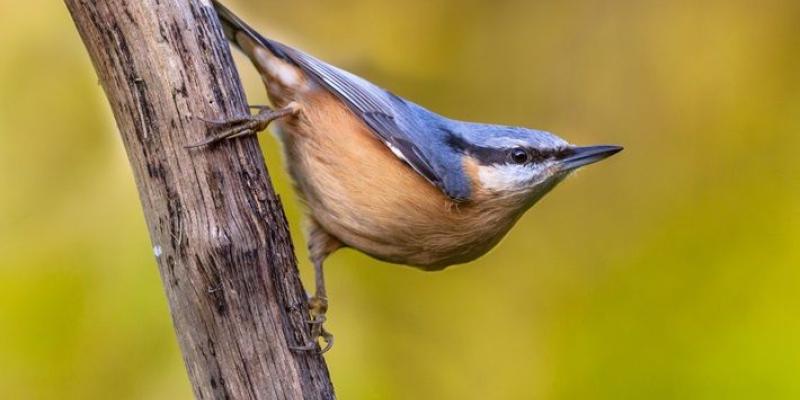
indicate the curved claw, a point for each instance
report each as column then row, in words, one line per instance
column 313, row 345
column 318, row 307
column 328, row 338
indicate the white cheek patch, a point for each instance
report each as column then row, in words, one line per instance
column 507, row 177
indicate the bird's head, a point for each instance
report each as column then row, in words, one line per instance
column 518, row 162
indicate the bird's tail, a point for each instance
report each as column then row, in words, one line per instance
column 241, row 34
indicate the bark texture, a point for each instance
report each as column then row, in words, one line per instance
column 218, row 230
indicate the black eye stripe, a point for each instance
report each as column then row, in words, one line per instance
column 493, row 156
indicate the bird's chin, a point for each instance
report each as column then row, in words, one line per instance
column 536, row 191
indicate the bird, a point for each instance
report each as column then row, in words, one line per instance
column 386, row 176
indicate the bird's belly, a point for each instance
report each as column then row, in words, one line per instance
column 398, row 226
column 362, row 194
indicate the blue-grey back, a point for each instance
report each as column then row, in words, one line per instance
column 425, row 140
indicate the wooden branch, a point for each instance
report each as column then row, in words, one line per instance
column 218, row 229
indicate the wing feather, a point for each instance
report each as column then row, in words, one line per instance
column 372, row 104
column 395, row 122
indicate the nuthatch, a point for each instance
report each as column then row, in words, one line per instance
column 388, row 177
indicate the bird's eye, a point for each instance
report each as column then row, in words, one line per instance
column 519, row 156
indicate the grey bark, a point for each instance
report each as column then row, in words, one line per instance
column 218, row 230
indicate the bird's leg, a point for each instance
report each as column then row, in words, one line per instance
column 258, row 107
column 318, row 308
column 245, row 126
column 320, row 245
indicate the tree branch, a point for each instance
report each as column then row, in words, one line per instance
column 219, row 233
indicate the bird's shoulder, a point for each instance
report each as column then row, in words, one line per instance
column 410, row 131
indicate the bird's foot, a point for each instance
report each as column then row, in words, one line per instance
column 224, row 130
column 318, row 307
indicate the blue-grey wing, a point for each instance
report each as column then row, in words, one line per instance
column 393, row 120
column 407, row 129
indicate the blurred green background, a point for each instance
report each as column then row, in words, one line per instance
column 667, row 272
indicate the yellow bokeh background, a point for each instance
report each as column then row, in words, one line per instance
column 671, row 271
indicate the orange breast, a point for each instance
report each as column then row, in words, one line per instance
column 359, row 192
column 369, row 199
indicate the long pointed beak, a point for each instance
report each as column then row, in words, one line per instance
column 582, row 156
